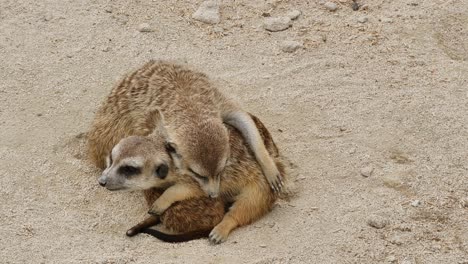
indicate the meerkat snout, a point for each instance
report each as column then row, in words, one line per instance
column 102, row 181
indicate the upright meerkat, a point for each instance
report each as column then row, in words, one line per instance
column 145, row 162
column 194, row 112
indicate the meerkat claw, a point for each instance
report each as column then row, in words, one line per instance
column 216, row 238
column 152, row 212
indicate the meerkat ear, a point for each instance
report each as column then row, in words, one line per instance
column 172, row 150
column 161, row 171
column 155, row 121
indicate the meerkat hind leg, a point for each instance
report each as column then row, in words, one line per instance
column 249, row 206
column 243, row 122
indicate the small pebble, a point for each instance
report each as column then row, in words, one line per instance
column 208, row 12
column 355, row 6
column 108, row 9
column 377, row 221
column 105, row 49
column 218, row 30
column 407, row 261
column 415, row 203
column 274, row 24
column 391, row 259
column 396, row 240
column 144, row 27
column 291, row 46
column 331, row 6
column 263, row 245
column 367, row 171
column 387, row 20
column 294, row 14
column 362, row 19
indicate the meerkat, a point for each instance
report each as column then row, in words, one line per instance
column 194, row 112
column 185, row 221
column 135, row 164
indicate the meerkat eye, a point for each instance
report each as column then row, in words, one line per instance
column 129, row 170
column 198, row 176
column 161, row 171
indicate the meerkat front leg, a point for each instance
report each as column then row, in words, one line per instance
column 243, row 122
column 175, row 193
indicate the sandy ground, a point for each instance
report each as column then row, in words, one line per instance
column 389, row 95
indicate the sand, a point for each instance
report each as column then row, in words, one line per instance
column 387, row 98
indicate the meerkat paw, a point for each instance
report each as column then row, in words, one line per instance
column 274, row 178
column 218, row 235
column 158, row 208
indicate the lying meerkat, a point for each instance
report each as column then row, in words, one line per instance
column 185, row 221
column 194, row 112
column 144, row 162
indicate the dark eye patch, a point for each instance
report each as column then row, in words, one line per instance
column 203, row 178
column 129, row 170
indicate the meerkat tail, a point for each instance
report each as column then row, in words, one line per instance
column 148, row 222
column 176, row 238
column 243, row 122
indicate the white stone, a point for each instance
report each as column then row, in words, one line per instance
column 276, row 23
column 377, row 221
column 367, row 171
column 362, row 19
column 294, row 14
column 331, row 6
column 144, row 27
column 208, row 12
column 291, row 46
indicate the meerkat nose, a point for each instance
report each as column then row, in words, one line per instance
column 102, row 181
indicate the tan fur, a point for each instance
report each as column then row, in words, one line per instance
column 242, row 184
column 193, row 111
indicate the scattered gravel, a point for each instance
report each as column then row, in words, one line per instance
column 291, row 46
column 367, row 171
column 331, row 6
column 274, row 24
column 144, row 27
column 415, row 203
column 377, row 221
column 294, row 14
column 208, row 12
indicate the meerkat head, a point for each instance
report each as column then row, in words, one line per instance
column 137, row 163
column 205, row 156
